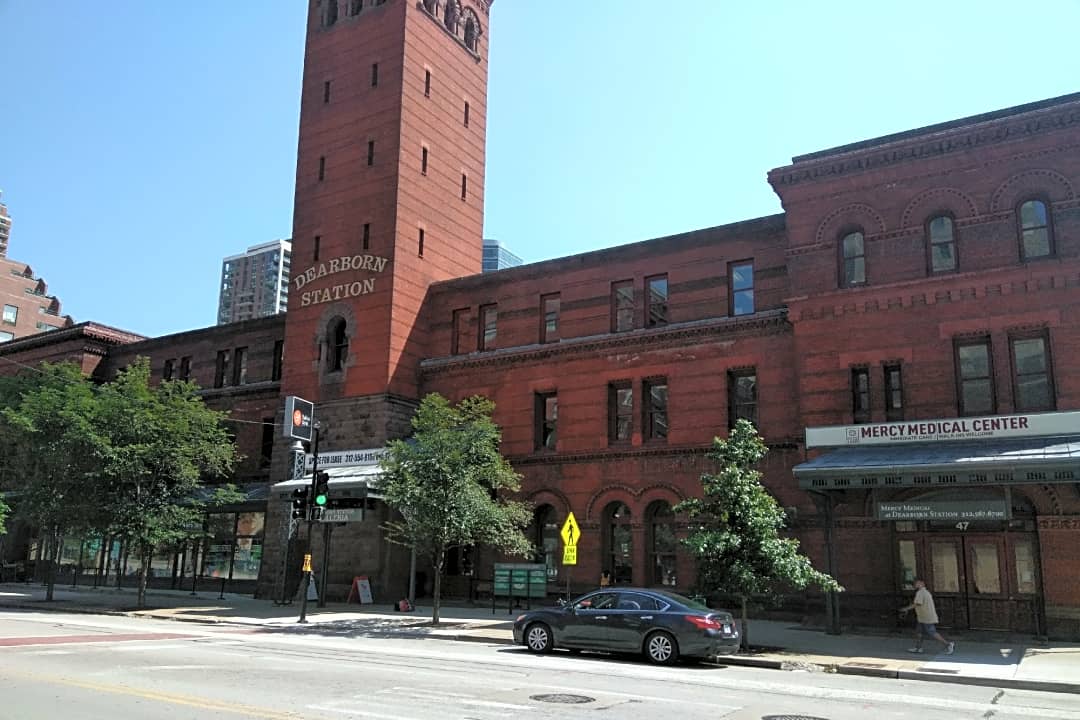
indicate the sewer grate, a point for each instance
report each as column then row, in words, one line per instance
column 563, row 698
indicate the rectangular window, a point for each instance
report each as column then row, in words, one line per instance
column 860, row 395
column 371, row 152
column 742, row 396
column 1033, row 385
column 894, row 392
column 656, row 289
column 489, row 320
column 427, row 83
column 741, row 288
column 549, row 318
column 316, row 248
column 852, row 259
column 221, row 369
column 464, row 186
column 420, row 243
column 620, row 412
column 266, row 448
column 547, row 420
column 622, row 306
column 466, row 114
column 239, row 376
column 366, row 240
column 322, row 168
column 185, row 367
column 167, row 370
column 655, row 425
column 279, row 360
column 459, row 337
column 975, row 377
column 423, row 160
column 11, row 314
column 6, row 336
column 326, row 92
column 375, row 75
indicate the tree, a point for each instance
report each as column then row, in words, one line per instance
column 735, row 528
column 163, row 442
column 56, row 447
column 449, row 482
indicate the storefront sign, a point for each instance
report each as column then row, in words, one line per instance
column 951, row 510
column 348, row 458
column 339, row 291
column 973, row 428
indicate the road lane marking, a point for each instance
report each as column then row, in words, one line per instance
column 360, row 713
column 73, row 639
column 494, row 704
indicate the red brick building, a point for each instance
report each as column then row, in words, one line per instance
column 904, row 335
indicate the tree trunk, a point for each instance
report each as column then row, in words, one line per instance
column 54, row 558
column 745, row 625
column 436, row 591
column 144, row 557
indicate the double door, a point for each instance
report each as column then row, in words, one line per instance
column 979, row 581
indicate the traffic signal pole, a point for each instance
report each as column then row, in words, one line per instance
column 310, row 525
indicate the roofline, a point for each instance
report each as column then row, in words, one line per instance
column 103, row 333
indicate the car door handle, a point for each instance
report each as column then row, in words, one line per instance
column 646, row 617
column 601, row 617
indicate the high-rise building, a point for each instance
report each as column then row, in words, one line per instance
column 497, row 257
column 255, row 284
column 5, row 229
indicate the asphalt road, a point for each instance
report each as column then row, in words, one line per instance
column 89, row 667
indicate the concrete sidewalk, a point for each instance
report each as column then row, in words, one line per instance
column 978, row 660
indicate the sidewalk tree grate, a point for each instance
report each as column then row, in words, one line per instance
column 563, row 698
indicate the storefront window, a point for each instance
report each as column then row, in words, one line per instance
column 946, row 568
column 546, row 539
column 662, row 543
column 984, row 568
column 1025, row 567
column 247, row 553
column 909, row 569
column 620, row 543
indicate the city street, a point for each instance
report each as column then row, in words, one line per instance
column 86, row 666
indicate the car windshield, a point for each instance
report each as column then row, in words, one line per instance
column 683, row 600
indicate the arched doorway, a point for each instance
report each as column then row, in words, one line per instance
column 618, row 543
column 544, row 534
column 662, row 543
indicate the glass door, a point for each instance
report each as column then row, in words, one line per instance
column 988, row 606
column 946, row 581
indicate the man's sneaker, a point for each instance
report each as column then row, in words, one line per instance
column 950, row 648
column 915, row 650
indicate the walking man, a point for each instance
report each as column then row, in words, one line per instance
column 926, row 616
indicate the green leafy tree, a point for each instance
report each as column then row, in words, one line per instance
column 449, row 482
column 164, row 442
column 55, row 447
column 735, row 529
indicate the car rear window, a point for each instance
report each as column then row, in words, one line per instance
column 683, row 600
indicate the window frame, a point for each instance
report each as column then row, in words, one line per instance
column 278, row 361
column 958, row 377
column 893, row 412
column 649, row 413
column 862, row 403
column 427, row 83
column 733, row 404
column 1015, row 376
column 843, row 258
column 337, row 346
column 1049, row 227
column 732, row 292
column 221, row 368
column 649, row 304
column 930, row 244
column 615, row 288
column 542, row 423
column 239, row 366
column 374, row 74
column 482, row 343
column 185, row 367
column 546, row 335
column 15, row 315
column 459, row 321
column 615, row 413
column 167, row 369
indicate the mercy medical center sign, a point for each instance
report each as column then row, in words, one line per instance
column 970, row 428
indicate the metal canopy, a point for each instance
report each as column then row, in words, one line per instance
column 997, row 462
column 347, row 481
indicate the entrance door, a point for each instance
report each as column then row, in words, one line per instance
column 969, row 579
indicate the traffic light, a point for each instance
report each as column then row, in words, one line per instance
column 322, row 489
column 299, row 503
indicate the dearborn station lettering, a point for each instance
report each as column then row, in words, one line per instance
column 341, row 291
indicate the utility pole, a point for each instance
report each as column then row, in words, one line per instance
column 310, row 524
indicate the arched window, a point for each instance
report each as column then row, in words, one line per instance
column 472, row 31
column 330, row 10
column 662, row 543
column 451, row 15
column 355, row 6
column 1036, row 236
column 544, row 534
column 852, row 259
column 619, row 543
column 942, row 244
column 432, row 6
column 338, row 341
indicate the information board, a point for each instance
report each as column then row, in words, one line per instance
column 520, row 580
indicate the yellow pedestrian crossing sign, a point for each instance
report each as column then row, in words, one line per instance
column 569, row 555
column 570, row 531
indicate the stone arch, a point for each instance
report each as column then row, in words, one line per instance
column 322, row 337
column 937, row 200
column 432, row 6
column 1042, row 182
column 452, row 15
column 551, row 496
column 329, row 12
column 851, row 215
column 660, row 491
column 611, row 493
column 472, row 29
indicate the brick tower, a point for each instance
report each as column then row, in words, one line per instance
column 389, row 198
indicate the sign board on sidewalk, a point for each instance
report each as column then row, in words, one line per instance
column 520, row 580
column 569, row 555
column 361, row 591
column 299, row 418
column 570, row 531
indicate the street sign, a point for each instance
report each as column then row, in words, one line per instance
column 299, row 418
column 569, row 555
column 338, row 515
column 570, row 531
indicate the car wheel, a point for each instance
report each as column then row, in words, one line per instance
column 661, row 648
column 538, row 638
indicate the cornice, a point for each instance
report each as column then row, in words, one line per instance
column 84, row 332
column 633, row 453
column 673, row 335
column 934, row 144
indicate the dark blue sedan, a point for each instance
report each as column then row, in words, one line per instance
column 663, row 626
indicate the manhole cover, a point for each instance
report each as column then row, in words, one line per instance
column 563, row 698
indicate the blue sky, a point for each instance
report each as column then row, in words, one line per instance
column 142, row 142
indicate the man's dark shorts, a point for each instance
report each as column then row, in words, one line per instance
column 928, row 629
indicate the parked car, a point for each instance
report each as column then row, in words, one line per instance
column 663, row 626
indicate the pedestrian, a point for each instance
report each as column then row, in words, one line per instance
column 927, row 619
column 605, row 579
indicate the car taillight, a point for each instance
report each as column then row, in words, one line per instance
column 702, row 623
